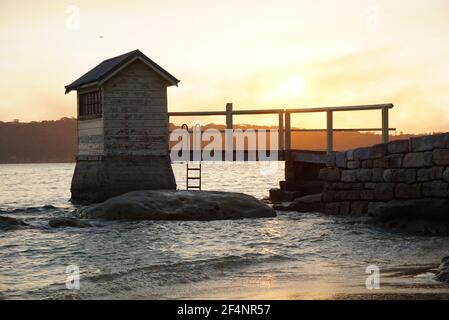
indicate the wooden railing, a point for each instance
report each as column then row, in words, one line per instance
column 284, row 116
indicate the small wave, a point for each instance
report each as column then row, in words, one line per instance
column 107, row 283
column 426, row 276
column 44, row 208
column 196, row 267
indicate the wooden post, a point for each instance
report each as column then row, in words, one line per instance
column 229, row 124
column 229, row 134
column 288, row 128
column 330, row 132
column 281, row 131
column 385, row 125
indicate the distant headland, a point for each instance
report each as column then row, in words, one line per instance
column 53, row 141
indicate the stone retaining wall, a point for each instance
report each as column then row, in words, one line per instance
column 359, row 180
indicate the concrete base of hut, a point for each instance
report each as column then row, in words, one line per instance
column 98, row 179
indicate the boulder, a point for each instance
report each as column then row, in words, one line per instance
column 68, row 222
column 9, row 223
column 178, row 205
column 443, row 271
column 310, row 203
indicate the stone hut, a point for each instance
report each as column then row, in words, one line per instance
column 122, row 128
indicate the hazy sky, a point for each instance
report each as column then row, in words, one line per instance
column 256, row 54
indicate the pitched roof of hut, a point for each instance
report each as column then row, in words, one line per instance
column 109, row 66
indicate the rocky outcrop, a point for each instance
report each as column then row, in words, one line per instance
column 443, row 271
column 68, row 222
column 9, row 223
column 310, row 203
column 423, row 216
column 178, row 205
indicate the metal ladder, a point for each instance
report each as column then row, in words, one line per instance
column 189, row 169
column 194, row 178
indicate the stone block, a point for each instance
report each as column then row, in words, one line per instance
column 344, row 208
column 275, row 195
column 367, row 194
column 399, row 146
column 441, row 157
column 378, row 175
column 364, row 175
column 379, row 151
column 353, row 164
column 384, row 191
column 445, row 175
column 393, row 161
column 329, row 174
column 437, row 189
column 338, row 208
column 418, row 160
column 332, row 208
column 428, row 143
column 328, row 195
column 408, row 191
column 428, row 174
column 347, row 195
column 369, row 185
column 331, row 160
column 373, row 206
column 359, row 207
column 348, row 176
column 379, row 163
column 341, row 160
column 362, row 154
column 366, row 164
column 346, row 186
column 400, row 175
column 350, row 155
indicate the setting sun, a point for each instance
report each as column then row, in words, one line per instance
column 293, row 87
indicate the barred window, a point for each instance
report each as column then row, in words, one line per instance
column 90, row 104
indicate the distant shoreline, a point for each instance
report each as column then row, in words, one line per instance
column 56, row 141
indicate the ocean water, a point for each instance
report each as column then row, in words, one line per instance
column 295, row 255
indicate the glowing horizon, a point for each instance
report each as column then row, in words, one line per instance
column 256, row 54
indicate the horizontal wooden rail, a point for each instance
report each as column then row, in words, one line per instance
column 342, row 130
column 296, row 130
column 345, row 108
column 275, row 111
column 285, row 121
column 196, row 113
